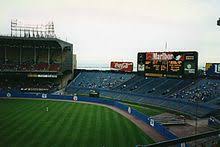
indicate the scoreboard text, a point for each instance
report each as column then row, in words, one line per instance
column 168, row 64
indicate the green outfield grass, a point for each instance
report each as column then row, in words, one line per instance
column 147, row 110
column 26, row 123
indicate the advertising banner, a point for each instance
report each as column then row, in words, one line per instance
column 122, row 66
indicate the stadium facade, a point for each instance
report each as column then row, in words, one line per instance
column 35, row 63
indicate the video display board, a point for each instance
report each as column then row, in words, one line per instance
column 212, row 69
column 168, row 64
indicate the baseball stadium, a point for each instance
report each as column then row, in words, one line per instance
column 45, row 100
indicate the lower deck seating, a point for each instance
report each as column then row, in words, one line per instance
column 165, row 92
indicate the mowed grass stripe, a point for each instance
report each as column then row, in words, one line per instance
column 109, row 125
column 26, row 131
column 79, row 124
column 150, row 111
column 60, row 141
column 119, row 131
column 9, row 113
column 126, row 130
column 69, row 124
column 98, row 127
column 11, row 125
column 112, row 122
column 30, row 126
column 109, row 128
column 128, row 126
column 16, row 108
column 58, row 119
column 83, row 138
column 88, row 127
column 7, row 108
column 69, row 127
column 15, row 125
column 45, row 124
column 74, row 127
column 100, row 123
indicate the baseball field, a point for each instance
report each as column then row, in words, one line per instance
column 28, row 123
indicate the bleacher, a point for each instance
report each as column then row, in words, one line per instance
column 28, row 66
column 205, row 89
column 28, row 85
column 164, row 92
column 153, row 86
column 100, row 80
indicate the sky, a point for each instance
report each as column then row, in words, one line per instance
column 102, row 31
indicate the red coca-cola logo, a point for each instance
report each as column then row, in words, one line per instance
column 123, row 66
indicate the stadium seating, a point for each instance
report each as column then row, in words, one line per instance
column 54, row 67
column 27, row 85
column 205, row 89
column 176, row 94
column 28, row 66
column 99, row 80
column 153, row 86
column 41, row 66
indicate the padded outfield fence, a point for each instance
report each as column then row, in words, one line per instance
column 148, row 120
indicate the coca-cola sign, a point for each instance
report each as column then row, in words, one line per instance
column 122, row 66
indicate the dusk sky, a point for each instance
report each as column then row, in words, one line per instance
column 106, row 30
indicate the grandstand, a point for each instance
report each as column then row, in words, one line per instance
column 34, row 64
column 207, row 89
column 171, row 93
column 154, row 86
column 100, row 79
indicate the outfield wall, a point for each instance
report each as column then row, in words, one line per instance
column 148, row 120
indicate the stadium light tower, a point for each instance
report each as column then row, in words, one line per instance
column 198, row 98
column 218, row 22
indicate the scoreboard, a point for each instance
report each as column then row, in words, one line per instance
column 168, row 64
column 213, row 70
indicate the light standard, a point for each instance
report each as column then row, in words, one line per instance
column 196, row 100
column 198, row 97
column 218, row 22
